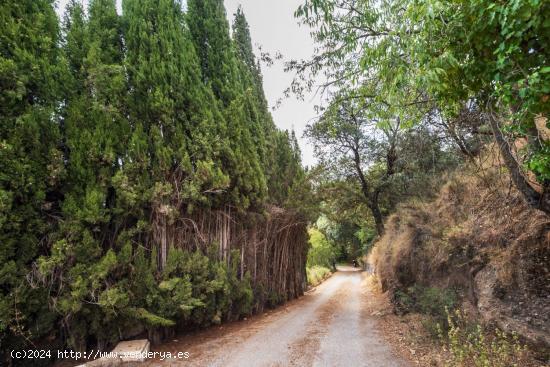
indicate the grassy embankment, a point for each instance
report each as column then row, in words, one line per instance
column 474, row 264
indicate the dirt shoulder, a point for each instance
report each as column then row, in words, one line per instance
column 406, row 334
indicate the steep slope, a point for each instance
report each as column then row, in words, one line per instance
column 480, row 239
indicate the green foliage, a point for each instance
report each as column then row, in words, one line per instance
column 165, row 78
column 431, row 301
column 321, row 252
column 234, row 84
column 345, row 233
column 105, row 124
column 149, row 318
column 286, row 175
column 472, row 345
column 31, row 69
column 317, row 274
column 505, row 67
column 415, row 58
column 192, row 289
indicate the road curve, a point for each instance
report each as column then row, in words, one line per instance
column 327, row 327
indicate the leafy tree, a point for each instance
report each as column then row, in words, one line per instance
column 423, row 157
column 321, row 252
column 355, row 143
column 31, row 71
column 449, row 54
column 511, row 82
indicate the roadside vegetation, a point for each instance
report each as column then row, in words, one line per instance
column 445, row 259
column 317, row 274
column 144, row 187
column 321, row 257
column 434, row 144
column 473, row 345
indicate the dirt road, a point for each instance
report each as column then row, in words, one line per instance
column 327, row 327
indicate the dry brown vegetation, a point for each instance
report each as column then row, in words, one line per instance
column 480, row 239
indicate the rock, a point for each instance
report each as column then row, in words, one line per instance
column 133, row 350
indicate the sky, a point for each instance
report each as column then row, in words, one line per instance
column 274, row 28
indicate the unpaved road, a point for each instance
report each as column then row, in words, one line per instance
column 327, row 327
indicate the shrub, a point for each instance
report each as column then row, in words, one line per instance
column 321, row 251
column 431, row 301
column 472, row 346
column 427, row 300
column 316, row 274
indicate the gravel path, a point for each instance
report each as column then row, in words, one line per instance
column 326, row 327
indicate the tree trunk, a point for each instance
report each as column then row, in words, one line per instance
column 378, row 219
column 372, row 200
column 460, row 142
column 540, row 201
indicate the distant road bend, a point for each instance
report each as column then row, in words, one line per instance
column 327, row 327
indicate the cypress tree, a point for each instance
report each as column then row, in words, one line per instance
column 105, row 141
column 245, row 53
column 210, row 32
column 267, row 138
column 242, row 39
column 95, row 123
column 173, row 113
column 220, row 71
column 95, row 131
column 279, row 150
column 75, row 44
column 256, row 105
column 31, row 161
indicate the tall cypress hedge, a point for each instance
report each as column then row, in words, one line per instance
column 111, row 127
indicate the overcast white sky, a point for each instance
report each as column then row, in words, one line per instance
column 273, row 26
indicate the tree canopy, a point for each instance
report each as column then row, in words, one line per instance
column 467, row 69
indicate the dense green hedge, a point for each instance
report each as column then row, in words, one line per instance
column 111, row 126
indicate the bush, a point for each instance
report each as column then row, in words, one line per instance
column 472, row 346
column 316, row 274
column 321, row 251
column 427, row 300
column 431, row 301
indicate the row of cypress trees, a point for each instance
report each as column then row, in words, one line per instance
column 104, row 118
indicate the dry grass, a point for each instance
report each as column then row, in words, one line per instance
column 480, row 238
column 410, row 339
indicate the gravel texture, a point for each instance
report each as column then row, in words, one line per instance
column 329, row 326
